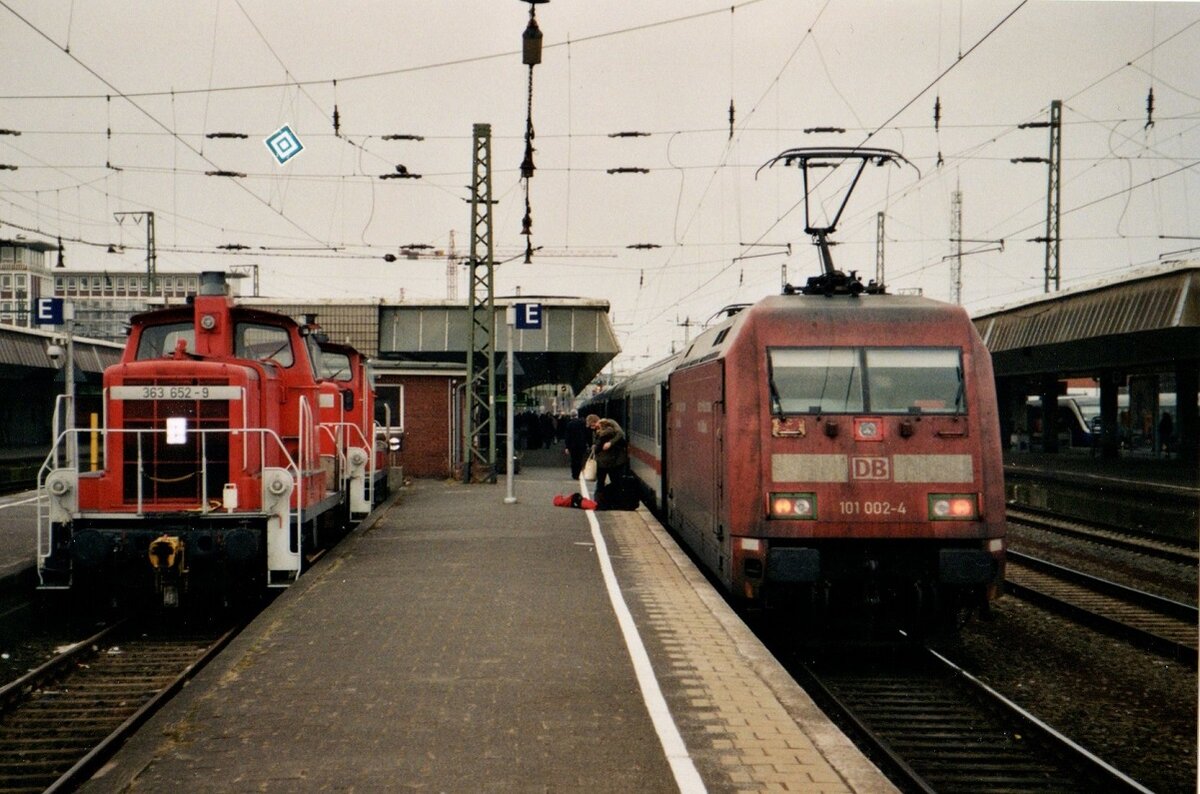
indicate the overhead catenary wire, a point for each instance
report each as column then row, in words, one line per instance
column 386, row 72
column 987, row 35
column 702, row 230
column 154, row 119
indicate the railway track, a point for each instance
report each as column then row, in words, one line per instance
column 61, row 721
column 936, row 728
column 1153, row 622
column 1109, row 536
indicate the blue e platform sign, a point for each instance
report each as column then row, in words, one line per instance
column 529, row 316
column 48, row 311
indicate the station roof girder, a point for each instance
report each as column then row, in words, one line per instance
column 575, row 342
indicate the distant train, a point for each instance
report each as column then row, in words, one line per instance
column 836, row 452
column 234, row 445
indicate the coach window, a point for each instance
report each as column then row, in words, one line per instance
column 815, row 380
column 157, row 341
column 262, row 342
column 914, row 380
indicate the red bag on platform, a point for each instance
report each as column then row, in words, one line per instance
column 574, row 500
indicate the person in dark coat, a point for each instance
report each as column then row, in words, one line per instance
column 579, row 439
column 612, row 453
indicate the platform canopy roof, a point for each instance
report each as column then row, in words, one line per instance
column 23, row 350
column 1145, row 321
column 575, row 342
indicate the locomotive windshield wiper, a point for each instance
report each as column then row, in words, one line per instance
column 275, row 352
column 958, row 395
column 776, row 403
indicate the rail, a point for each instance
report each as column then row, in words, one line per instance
column 1157, row 623
column 936, row 727
column 102, row 695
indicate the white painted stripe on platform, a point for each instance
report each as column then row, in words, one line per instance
column 686, row 775
column 22, row 502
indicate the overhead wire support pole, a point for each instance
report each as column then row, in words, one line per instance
column 1053, row 237
column 479, row 427
column 151, row 253
column 1053, row 196
column 879, row 238
column 956, row 209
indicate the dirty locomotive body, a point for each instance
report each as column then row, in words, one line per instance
column 234, row 445
column 829, row 455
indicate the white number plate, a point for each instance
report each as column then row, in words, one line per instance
column 857, row 508
column 175, row 393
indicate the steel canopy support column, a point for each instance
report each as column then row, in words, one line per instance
column 479, row 427
column 1187, row 420
column 1110, row 422
column 1049, row 389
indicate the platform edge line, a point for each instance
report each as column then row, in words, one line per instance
column 687, row 777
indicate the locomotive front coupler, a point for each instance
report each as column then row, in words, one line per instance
column 167, row 557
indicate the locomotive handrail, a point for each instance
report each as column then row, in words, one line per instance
column 50, row 464
column 56, row 430
column 307, row 431
column 367, row 446
column 264, row 433
column 328, row 429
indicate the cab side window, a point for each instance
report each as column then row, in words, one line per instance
column 263, row 342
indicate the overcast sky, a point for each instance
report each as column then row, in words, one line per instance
column 161, row 76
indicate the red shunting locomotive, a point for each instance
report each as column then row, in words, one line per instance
column 223, row 471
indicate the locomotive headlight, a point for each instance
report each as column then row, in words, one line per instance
column 953, row 507
column 793, row 506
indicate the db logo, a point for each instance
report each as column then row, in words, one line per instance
column 870, row 469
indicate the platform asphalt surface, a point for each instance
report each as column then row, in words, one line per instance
column 455, row 643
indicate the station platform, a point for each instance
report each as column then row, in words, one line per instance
column 457, row 643
column 1154, row 472
column 1158, row 496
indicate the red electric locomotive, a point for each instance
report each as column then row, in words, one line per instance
column 835, row 447
column 841, row 451
column 211, row 481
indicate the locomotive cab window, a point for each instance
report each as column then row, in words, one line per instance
column 335, row 366
column 263, row 342
column 836, row 380
column 914, row 380
column 157, row 341
column 825, row 380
